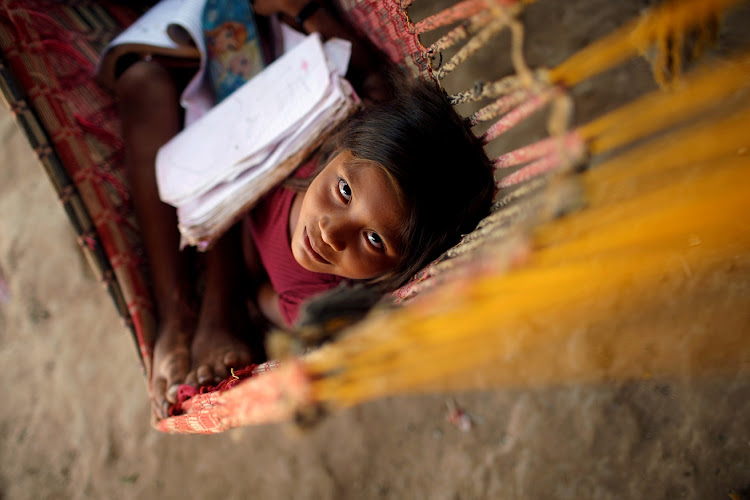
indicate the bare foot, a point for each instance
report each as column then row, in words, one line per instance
column 216, row 349
column 222, row 339
column 215, row 353
column 170, row 366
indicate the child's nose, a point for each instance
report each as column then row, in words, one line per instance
column 333, row 233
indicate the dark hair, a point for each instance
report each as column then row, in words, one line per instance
column 439, row 164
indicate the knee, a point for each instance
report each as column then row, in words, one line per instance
column 146, row 85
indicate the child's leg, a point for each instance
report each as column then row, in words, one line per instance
column 151, row 115
column 225, row 337
column 149, row 107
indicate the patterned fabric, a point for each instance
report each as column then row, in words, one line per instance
column 386, row 25
column 275, row 393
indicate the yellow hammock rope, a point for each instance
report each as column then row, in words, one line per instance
column 669, row 209
column 660, row 35
column 660, row 110
column 664, row 26
column 504, row 319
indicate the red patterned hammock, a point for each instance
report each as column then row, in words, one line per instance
column 48, row 51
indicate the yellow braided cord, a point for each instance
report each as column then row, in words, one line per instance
column 663, row 211
column 664, row 26
column 662, row 109
column 501, row 320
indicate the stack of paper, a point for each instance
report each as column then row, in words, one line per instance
column 221, row 165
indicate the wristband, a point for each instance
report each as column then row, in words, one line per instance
column 308, row 10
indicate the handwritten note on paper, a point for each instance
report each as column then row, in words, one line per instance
column 244, row 128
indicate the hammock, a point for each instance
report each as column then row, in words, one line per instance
column 528, row 283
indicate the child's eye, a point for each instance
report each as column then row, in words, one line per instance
column 344, row 190
column 375, row 240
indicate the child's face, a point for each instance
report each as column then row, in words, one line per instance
column 349, row 221
column 224, row 40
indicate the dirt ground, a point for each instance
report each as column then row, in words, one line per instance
column 74, row 422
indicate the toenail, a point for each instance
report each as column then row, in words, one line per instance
column 172, row 392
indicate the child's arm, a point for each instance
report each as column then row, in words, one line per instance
column 268, row 302
column 367, row 63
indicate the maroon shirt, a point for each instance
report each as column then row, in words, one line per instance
column 269, row 227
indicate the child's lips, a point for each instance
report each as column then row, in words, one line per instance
column 311, row 250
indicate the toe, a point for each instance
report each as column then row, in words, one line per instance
column 175, row 376
column 172, row 393
column 237, row 359
column 205, row 374
column 159, row 402
column 192, row 379
column 231, row 359
column 220, row 372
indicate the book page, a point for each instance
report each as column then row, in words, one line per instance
column 153, row 26
column 243, row 130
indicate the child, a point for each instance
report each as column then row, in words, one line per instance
column 399, row 184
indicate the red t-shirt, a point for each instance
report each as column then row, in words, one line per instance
column 269, row 227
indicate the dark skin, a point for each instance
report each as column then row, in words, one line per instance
column 200, row 344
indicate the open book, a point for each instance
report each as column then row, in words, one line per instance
column 221, row 165
column 170, row 28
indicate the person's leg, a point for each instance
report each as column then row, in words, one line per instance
column 226, row 336
column 149, row 108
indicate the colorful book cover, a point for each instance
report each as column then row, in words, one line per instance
column 235, row 53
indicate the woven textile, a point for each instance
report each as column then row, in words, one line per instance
column 386, row 25
column 49, row 50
